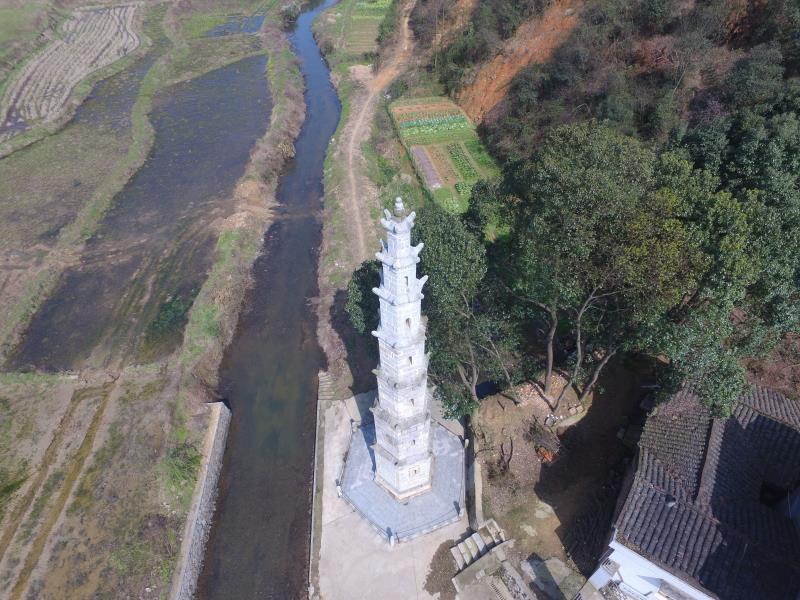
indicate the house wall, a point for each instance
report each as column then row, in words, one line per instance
column 641, row 576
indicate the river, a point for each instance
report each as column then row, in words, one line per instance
column 258, row 547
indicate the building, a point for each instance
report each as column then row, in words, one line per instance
column 712, row 508
column 402, row 415
column 404, row 472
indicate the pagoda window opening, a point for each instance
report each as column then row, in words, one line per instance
column 408, row 323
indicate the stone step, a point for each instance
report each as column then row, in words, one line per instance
column 487, row 537
column 466, row 552
column 325, row 391
column 473, row 547
column 494, row 530
column 476, row 537
column 458, row 557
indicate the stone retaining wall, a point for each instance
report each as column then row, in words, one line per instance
column 198, row 521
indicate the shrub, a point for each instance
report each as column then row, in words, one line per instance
column 758, row 77
column 361, row 304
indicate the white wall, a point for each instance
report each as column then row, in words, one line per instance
column 641, row 575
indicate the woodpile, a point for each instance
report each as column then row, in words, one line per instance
column 89, row 40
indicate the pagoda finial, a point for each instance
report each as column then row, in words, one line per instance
column 399, row 208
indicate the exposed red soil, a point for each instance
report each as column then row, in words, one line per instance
column 534, row 41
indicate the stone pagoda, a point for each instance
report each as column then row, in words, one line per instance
column 403, row 456
column 403, row 472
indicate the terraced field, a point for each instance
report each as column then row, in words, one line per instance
column 444, row 147
column 362, row 27
column 352, row 27
column 89, row 40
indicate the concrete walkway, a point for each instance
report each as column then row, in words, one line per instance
column 355, row 562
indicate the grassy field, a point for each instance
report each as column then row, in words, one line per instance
column 444, row 148
column 348, row 36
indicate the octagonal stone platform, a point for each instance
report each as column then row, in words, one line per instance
column 403, row 520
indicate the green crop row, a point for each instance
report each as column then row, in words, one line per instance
column 481, row 156
column 426, row 114
column 436, row 129
column 462, row 162
column 434, row 121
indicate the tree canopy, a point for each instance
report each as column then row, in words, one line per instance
column 620, row 248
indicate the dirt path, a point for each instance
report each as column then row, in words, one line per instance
column 357, row 211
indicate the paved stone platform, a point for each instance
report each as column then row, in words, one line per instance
column 442, row 505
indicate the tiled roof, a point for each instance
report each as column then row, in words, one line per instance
column 694, row 506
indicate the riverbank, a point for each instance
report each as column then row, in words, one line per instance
column 77, row 172
column 357, row 184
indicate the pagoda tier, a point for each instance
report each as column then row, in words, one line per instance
column 403, row 458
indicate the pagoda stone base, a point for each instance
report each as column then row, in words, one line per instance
column 402, row 496
column 403, row 519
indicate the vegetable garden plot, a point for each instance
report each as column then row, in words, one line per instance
column 462, row 162
column 439, row 128
column 90, row 40
column 361, row 23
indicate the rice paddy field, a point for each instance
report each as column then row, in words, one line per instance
column 89, row 40
column 444, row 148
column 99, row 453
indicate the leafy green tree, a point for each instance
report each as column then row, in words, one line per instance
column 629, row 251
column 571, row 198
column 455, row 262
column 469, row 339
column 758, row 77
column 362, row 305
column 756, row 155
column 654, row 14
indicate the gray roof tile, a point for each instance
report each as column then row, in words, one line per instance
column 694, row 507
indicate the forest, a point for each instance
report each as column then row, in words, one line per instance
column 649, row 202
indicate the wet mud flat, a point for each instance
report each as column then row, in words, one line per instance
column 154, row 247
column 258, row 546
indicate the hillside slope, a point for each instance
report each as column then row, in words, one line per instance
column 533, row 42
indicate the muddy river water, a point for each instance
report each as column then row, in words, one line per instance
column 259, row 541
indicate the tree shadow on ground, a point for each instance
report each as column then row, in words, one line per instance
column 583, row 483
column 547, row 581
column 361, row 349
